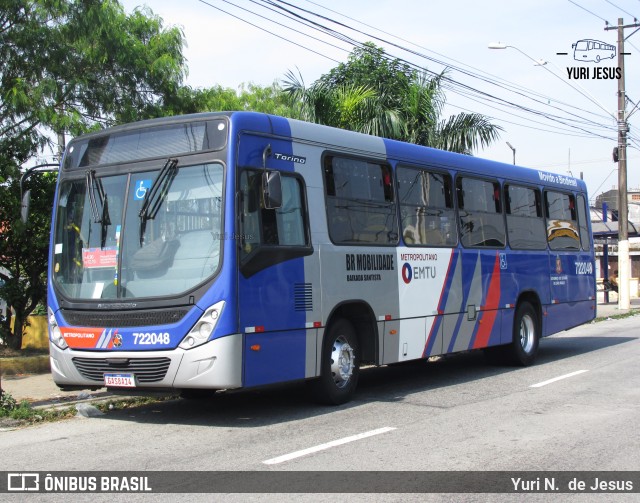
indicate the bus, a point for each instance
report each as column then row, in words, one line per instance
column 593, row 50
column 233, row 250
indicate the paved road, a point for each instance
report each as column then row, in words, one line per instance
column 578, row 408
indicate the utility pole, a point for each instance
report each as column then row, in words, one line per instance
column 624, row 269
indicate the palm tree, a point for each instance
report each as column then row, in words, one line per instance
column 465, row 132
column 347, row 106
column 423, row 125
column 374, row 95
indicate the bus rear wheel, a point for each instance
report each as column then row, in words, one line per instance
column 526, row 335
column 340, row 365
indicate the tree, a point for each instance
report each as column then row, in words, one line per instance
column 347, row 106
column 67, row 67
column 23, row 252
column 374, row 94
column 267, row 99
column 422, row 113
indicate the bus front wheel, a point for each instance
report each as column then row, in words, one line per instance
column 340, row 365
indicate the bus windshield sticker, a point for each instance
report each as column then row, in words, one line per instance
column 141, row 190
column 99, row 257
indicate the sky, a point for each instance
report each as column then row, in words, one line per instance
column 558, row 116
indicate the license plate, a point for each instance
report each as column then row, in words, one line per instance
column 119, row 380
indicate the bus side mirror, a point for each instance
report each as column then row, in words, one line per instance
column 26, row 203
column 26, row 194
column 271, row 190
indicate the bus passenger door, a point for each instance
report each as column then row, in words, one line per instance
column 275, row 290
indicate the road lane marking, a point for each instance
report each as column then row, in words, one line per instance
column 544, row 383
column 328, row 445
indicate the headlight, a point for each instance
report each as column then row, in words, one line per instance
column 203, row 328
column 55, row 334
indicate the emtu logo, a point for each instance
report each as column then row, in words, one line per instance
column 407, row 273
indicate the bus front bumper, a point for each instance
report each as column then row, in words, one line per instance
column 214, row 365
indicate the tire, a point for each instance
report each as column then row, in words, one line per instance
column 340, row 365
column 526, row 335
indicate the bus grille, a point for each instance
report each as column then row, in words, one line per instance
column 122, row 319
column 146, row 370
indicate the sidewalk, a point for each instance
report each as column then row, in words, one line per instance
column 611, row 309
column 41, row 391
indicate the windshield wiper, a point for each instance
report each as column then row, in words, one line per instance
column 106, row 221
column 94, row 186
column 156, row 194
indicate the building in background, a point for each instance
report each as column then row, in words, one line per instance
column 607, row 233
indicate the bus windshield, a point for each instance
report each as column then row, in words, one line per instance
column 138, row 235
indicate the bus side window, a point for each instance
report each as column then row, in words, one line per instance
column 360, row 201
column 250, row 206
column 562, row 223
column 525, row 223
column 427, row 215
column 269, row 236
column 480, row 213
column 582, row 222
column 289, row 218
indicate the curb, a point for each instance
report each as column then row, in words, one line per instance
column 70, row 401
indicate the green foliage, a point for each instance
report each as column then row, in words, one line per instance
column 23, row 251
column 373, row 94
column 71, row 66
column 268, row 99
column 24, row 413
column 7, row 403
column 21, row 411
column 67, row 67
column 40, row 310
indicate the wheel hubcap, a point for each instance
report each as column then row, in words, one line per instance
column 527, row 333
column 342, row 362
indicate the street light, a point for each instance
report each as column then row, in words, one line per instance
column 514, row 152
column 543, row 63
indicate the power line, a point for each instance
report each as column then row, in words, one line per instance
column 585, row 9
column 454, row 89
column 477, row 70
column 548, row 129
column 620, row 8
column 572, row 120
column 455, row 85
column 265, row 30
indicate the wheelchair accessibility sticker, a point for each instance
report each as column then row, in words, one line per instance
column 141, row 189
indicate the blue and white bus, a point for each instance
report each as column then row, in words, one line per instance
column 234, row 250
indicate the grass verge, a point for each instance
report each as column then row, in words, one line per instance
column 629, row 314
column 15, row 414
